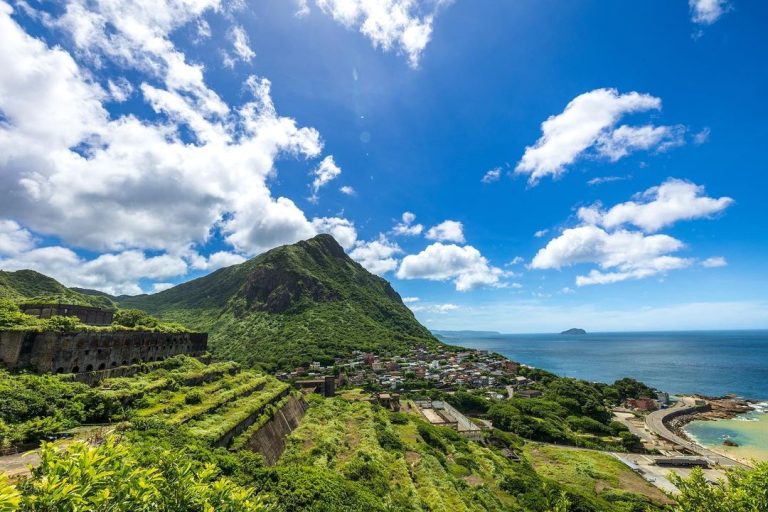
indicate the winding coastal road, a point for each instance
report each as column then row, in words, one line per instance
column 656, row 422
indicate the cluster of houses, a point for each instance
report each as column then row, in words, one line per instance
column 439, row 368
column 647, row 404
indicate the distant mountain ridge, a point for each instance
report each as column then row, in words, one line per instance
column 294, row 304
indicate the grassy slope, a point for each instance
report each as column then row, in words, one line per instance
column 592, row 473
column 289, row 306
column 27, row 284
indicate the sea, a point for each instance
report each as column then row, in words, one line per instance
column 711, row 363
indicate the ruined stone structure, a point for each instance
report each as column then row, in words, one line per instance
column 269, row 440
column 325, row 386
column 86, row 314
column 92, row 351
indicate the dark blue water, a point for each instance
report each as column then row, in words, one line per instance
column 705, row 362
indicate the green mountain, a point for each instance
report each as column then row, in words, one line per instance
column 31, row 286
column 289, row 306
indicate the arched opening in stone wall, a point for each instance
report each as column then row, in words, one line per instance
column 102, row 366
column 114, row 364
column 75, row 369
column 89, row 368
column 59, row 370
column 124, row 362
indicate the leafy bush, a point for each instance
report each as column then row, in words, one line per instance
column 110, row 477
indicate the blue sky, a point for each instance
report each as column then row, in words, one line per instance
column 512, row 166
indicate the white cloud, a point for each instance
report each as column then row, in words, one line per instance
column 241, row 44
column 377, row 256
column 341, row 229
column 567, row 291
column 13, row 238
column 434, row 308
column 407, row 227
column 324, row 173
column 657, row 207
column 215, row 261
column 120, row 89
column 159, row 287
column 410, row 300
column 517, row 260
column 134, row 183
column 702, row 136
column 115, row 273
column 203, row 30
column 347, row 190
column 706, row 12
column 605, row 179
column 626, row 139
column 588, row 121
column 492, row 175
column 302, row 8
column 465, row 266
column 541, row 233
column 629, row 255
column 714, row 262
column 648, row 268
column 389, row 24
column 447, row 231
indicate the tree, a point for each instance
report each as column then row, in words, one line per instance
column 743, row 490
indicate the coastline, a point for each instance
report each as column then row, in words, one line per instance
column 723, row 409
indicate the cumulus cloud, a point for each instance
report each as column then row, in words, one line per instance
column 658, row 207
column 377, row 256
column 465, row 266
column 541, row 233
column 115, row 273
column 410, row 300
column 160, row 287
column 13, row 238
column 216, row 260
column 132, row 183
column 447, row 231
column 347, row 190
column 492, row 175
column 401, row 25
column 627, row 254
column 589, row 123
column 324, row 173
column 407, row 226
column 714, row 262
column 706, row 12
column 341, row 229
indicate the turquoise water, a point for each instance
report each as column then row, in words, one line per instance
column 706, row 362
column 749, row 431
column 709, row 363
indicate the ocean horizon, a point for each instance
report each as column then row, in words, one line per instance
column 710, row 363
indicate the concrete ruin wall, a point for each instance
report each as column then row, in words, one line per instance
column 241, row 427
column 93, row 351
column 87, row 315
column 270, row 439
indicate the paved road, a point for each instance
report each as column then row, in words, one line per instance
column 655, row 422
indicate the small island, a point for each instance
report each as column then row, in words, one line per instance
column 574, row 331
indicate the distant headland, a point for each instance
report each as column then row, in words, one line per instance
column 574, row 331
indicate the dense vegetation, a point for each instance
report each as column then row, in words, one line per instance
column 210, row 399
column 12, row 318
column 569, row 411
column 292, row 305
column 742, row 491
